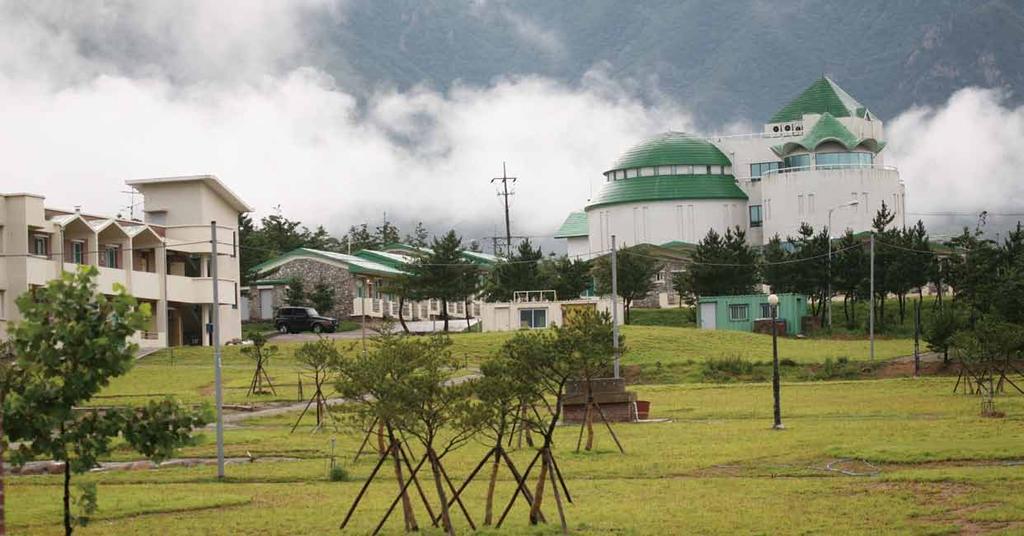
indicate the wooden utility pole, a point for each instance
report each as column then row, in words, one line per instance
column 504, row 178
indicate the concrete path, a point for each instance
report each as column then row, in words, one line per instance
column 416, row 327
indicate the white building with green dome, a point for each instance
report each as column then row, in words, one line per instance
column 823, row 150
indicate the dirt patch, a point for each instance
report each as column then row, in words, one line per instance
column 903, row 367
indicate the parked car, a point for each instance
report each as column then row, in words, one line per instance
column 297, row 319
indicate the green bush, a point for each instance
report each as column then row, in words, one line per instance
column 338, row 474
column 726, row 369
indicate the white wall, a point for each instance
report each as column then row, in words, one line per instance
column 806, row 196
column 504, row 316
column 657, row 222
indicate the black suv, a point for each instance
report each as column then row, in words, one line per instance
column 296, row 319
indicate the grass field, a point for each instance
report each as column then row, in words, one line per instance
column 715, row 468
column 664, row 355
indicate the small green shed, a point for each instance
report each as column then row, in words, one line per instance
column 739, row 312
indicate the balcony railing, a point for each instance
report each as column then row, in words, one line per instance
column 827, row 167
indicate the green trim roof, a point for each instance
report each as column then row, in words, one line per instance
column 353, row 264
column 476, row 257
column 824, row 96
column 672, row 148
column 667, row 187
column 828, row 129
column 573, row 226
column 393, row 260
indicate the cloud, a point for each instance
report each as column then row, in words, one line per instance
column 126, row 92
column 964, row 156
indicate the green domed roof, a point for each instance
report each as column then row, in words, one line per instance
column 672, row 148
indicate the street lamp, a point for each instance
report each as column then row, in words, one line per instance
column 828, row 295
column 773, row 302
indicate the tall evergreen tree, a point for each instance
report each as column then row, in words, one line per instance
column 521, row 272
column 444, row 274
column 635, row 271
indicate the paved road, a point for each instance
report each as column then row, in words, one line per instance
column 418, row 326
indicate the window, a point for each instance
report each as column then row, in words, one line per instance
column 78, row 252
column 701, row 170
column 755, row 216
column 843, row 160
column 3, row 314
column 766, row 310
column 647, row 172
column 797, row 161
column 760, row 168
column 41, row 245
column 715, row 170
column 739, row 312
column 533, row 318
column 727, row 170
column 664, row 170
column 112, row 257
column 684, row 170
column 620, row 174
column 800, row 205
column 810, row 203
column 630, row 173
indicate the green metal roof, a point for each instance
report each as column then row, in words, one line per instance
column 672, row 148
column 828, row 128
column 824, row 96
column 476, row 257
column 667, row 187
column 355, row 265
column 574, row 225
column 393, row 260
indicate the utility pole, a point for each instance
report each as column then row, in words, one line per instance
column 871, row 312
column 215, row 314
column 504, row 178
column 615, row 310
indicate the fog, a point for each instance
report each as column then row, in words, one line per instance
column 94, row 93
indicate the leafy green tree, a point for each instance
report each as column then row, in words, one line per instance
column 322, row 298
column 387, row 233
column 850, row 271
column 503, row 391
column 419, row 236
column 261, row 353
column 74, row 340
column 444, row 274
column 635, row 271
column 11, row 376
column 940, row 329
column 722, row 265
column 776, row 271
column 402, row 382
column 569, row 278
column 520, row 272
column 295, row 293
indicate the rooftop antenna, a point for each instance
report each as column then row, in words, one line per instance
column 504, row 178
column 131, row 202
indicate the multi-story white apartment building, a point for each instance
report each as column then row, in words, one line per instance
column 822, row 153
column 164, row 260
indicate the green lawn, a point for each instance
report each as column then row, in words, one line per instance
column 716, row 468
column 665, row 354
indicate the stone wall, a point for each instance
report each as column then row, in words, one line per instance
column 662, row 287
column 312, row 273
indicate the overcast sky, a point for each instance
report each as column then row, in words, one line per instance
column 94, row 93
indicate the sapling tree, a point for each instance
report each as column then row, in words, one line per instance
column 73, row 340
column 591, row 353
column 319, row 357
column 502, row 391
column 260, row 352
column 426, row 402
column 370, row 378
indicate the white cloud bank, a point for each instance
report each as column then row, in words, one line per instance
column 80, row 123
column 93, row 93
column 965, row 156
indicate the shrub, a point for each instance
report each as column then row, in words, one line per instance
column 337, row 474
column 726, row 369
